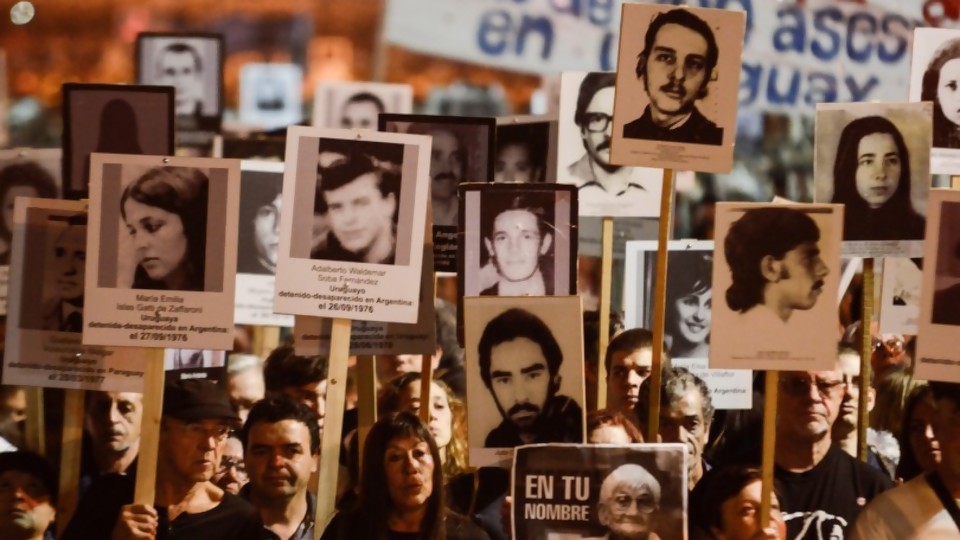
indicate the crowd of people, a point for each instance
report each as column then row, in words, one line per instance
column 240, row 459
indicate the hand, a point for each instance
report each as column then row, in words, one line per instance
column 136, row 522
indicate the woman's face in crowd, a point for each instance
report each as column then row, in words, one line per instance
column 740, row 515
column 159, row 240
column 409, row 471
column 948, row 90
column 441, row 416
column 926, row 449
column 878, row 168
column 693, row 316
column 266, row 228
column 609, row 434
column 7, row 203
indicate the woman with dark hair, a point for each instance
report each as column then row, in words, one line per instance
column 400, row 489
column 919, row 448
column 871, row 177
column 941, row 85
column 165, row 211
column 259, row 236
column 689, row 304
column 725, row 505
column 24, row 179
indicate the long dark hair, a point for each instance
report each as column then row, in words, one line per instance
column 945, row 132
column 691, row 275
column 182, row 191
column 908, row 468
column 375, row 503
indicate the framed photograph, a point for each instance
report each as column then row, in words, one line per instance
column 687, row 313
column 271, row 95
column 462, row 151
column 352, row 230
column 677, row 87
column 771, row 265
column 874, row 158
column 255, row 147
column 526, row 150
column 115, row 119
column 162, row 249
column 900, row 295
column 583, row 158
column 934, row 72
column 356, row 105
column 311, row 335
column 192, row 63
column 938, row 358
column 183, row 364
column 577, row 491
column 524, row 358
column 258, row 247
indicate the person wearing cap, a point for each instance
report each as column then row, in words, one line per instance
column 197, row 418
column 28, row 496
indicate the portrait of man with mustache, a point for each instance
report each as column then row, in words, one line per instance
column 63, row 312
column 676, row 66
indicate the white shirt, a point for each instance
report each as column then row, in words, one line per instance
column 909, row 512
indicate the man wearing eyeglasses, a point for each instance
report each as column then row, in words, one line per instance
column 676, row 65
column 629, row 503
column 600, row 181
column 197, row 418
column 823, row 487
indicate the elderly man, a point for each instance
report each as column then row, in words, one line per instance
column 28, row 496
column 629, row 504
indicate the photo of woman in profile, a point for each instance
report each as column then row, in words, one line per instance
column 689, row 304
column 871, row 178
column 941, row 85
column 165, row 212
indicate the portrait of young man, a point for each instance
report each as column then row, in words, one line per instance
column 360, row 111
column 517, row 240
column 357, row 105
column 179, row 65
column 63, row 311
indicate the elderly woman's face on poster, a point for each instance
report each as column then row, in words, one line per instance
column 948, row 90
column 266, row 228
column 159, row 239
column 878, row 168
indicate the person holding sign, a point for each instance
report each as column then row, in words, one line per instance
column 519, row 364
column 165, row 212
column 628, row 362
column 28, row 496
column 676, row 65
column 871, row 177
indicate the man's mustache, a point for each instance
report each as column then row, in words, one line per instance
column 605, row 145
column 674, row 89
column 523, row 407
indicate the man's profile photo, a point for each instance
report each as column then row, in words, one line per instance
column 629, row 503
column 676, row 65
column 517, row 240
column 356, row 200
column 519, row 362
column 360, row 111
column 63, row 309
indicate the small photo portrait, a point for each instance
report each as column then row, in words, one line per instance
column 518, row 240
column 177, row 359
column 583, row 158
column 24, row 173
column 525, row 360
column 356, row 105
column 900, row 295
column 113, row 119
column 261, row 201
column 193, row 65
column 525, row 148
column 463, row 151
column 271, row 95
column 777, row 267
column 676, row 84
column 357, row 201
column 934, row 77
column 875, row 160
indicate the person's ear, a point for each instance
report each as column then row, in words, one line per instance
column 392, row 202
column 546, row 243
column 717, row 534
column 871, row 398
column 770, row 268
column 489, row 245
column 555, row 383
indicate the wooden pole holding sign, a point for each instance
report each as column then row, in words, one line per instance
column 659, row 303
column 265, row 340
column 35, row 435
column 769, row 445
column 955, row 182
column 367, row 401
column 426, row 378
column 70, row 453
column 145, row 489
column 606, row 278
column 866, row 352
column 332, row 424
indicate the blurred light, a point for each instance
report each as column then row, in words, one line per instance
column 22, row 12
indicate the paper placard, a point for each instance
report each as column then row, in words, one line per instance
column 356, row 105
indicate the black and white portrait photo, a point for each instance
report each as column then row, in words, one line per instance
column 193, row 65
column 875, row 160
column 946, row 295
column 901, row 284
column 676, row 84
column 635, row 492
column 353, row 203
column 114, row 119
column 586, row 129
column 163, row 241
column 935, row 77
column 772, row 265
column 271, row 95
column 523, row 362
column 24, row 173
column 525, row 150
column 518, row 240
column 184, row 364
column 356, row 105
column 261, row 201
column 938, row 358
